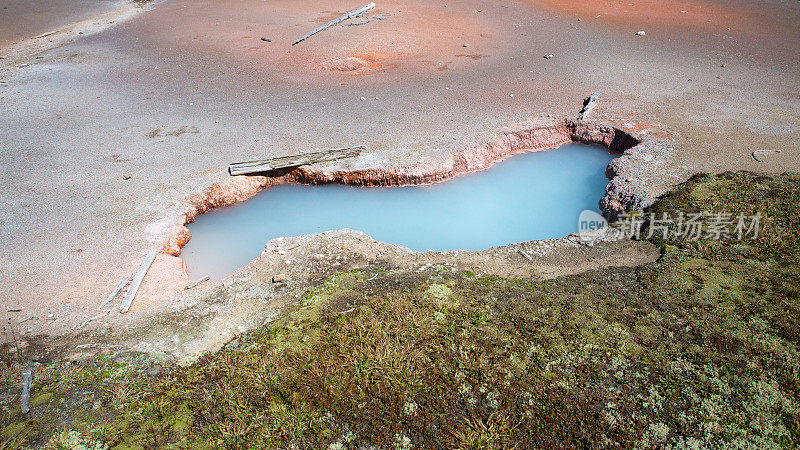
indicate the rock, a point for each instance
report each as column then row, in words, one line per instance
column 280, row 278
column 640, row 33
column 548, row 56
column 154, row 370
column 465, row 45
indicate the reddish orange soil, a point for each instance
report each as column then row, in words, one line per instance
column 409, row 37
column 681, row 14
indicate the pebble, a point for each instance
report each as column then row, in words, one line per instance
column 640, row 33
column 548, row 56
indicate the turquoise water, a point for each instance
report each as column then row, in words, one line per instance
column 529, row 196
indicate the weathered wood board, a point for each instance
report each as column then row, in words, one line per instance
column 266, row 165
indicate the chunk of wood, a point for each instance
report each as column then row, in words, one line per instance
column 266, row 165
column 137, row 280
column 342, row 18
column 124, row 282
column 196, row 283
column 588, row 105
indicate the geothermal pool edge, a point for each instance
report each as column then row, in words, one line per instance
column 632, row 183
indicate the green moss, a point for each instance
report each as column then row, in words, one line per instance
column 18, row 429
column 41, row 399
column 700, row 348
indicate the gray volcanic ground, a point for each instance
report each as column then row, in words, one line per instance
column 171, row 96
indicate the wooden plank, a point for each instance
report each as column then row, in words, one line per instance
column 116, row 290
column 266, row 165
column 343, row 17
column 137, row 281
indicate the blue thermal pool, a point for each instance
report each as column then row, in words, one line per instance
column 526, row 197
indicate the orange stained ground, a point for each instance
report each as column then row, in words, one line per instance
column 639, row 14
column 411, row 37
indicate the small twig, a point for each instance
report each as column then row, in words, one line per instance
column 29, row 318
column 357, row 23
column 196, row 283
column 99, row 316
column 44, row 35
column 16, row 345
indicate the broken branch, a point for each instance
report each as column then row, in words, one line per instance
column 342, row 18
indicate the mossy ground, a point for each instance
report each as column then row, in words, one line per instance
column 699, row 349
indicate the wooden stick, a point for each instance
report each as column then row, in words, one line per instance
column 266, row 165
column 196, row 283
column 116, row 290
column 99, row 316
column 527, row 256
column 343, row 17
column 45, row 34
column 137, row 281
